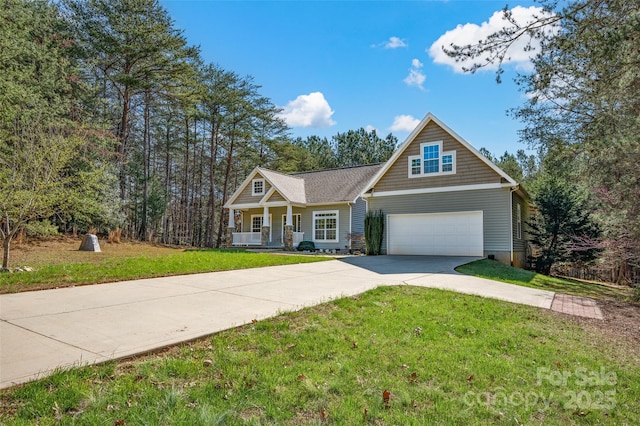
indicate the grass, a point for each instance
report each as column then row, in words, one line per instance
column 444, row 358
column 60, row 264
column 499, row 271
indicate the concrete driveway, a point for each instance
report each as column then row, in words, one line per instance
column 44, row 330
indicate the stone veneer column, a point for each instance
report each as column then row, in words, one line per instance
column 230, row 237
column 265, row 235
column 288, row 237
column 288, row 229
column 230, row 228
column 266, row 226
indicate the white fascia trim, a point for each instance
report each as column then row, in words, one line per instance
column 403, row 146
column 328, row 205
column 241, row 188
column 243, row 206
column 266, row 196
column 438, row 189
column 275, row 204
column 426, row 120
column 259, row 206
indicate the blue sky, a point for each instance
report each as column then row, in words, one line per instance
column 340, row 65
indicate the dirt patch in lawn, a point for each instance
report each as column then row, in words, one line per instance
column 65, row 250
column 619, row 330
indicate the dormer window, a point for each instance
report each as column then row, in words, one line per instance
column 257, row 187
column 432, row 161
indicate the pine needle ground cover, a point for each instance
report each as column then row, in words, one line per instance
column 60, row 264
column 394, row 355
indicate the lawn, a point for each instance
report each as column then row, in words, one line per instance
column 494, row 270
column 58, row 263
column 394, row 355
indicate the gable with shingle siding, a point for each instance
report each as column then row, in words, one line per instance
column 470, row 170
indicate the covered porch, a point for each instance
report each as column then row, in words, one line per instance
column 245, row 239
column 259, row 228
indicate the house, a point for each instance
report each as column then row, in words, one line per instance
column 325, row 207
column 439, row 196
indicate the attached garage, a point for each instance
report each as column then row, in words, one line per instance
column 443, row 234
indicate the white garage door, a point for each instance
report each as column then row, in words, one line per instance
column 443, row 234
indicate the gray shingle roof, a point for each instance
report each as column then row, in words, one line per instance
column 320, row 187
column 337, row 185
column 292, row 188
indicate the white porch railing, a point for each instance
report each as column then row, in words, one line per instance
column 255, row 238
column 247, row 239
column 298, row 237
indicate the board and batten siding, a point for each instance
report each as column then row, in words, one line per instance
column 470, row 170
column 493, row 202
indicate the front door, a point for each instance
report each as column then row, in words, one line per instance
column 296, row 223
column 256, row 224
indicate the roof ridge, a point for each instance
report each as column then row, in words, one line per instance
column 336, row 168
column 276, row 172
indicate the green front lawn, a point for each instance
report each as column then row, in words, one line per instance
column 108, row 267
column 394, row 355
column 499, row 271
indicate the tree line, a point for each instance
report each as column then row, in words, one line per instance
column 582, row 117
column 110, row 119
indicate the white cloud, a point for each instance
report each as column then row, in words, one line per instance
column 370, row 128
column 404, row 123
column 394, row 43
column 416, row 77
column 310, row 110
column 472, row 33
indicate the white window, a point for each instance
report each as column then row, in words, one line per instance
column 256, row 224
column 325, row 226
column 296, row 222
column 415, row 165
column 296, row 218
column 518, row 221
column 432, row 161
column 257, row 187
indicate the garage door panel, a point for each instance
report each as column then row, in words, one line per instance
column 449, row 234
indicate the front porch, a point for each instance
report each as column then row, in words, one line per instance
column 249, row 239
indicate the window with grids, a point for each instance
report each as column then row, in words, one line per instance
column 325, row 226
column 416, row 166
column 432, row 161
column 447, row 163
column 257, row 187
column 296, row 218
column 256, row 224
column 431, row 155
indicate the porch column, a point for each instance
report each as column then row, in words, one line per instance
column 266, row 226
column 288, row 229
column 231, row 227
